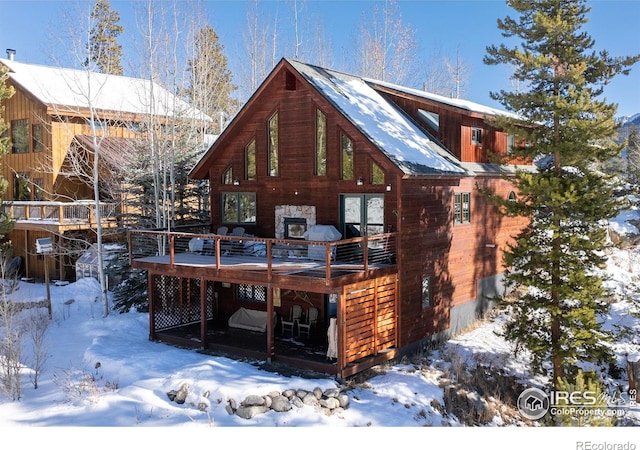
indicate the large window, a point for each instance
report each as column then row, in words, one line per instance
column 377, row 175
column 250, row 160
column 38, row 189
column 20, row 136
column 22, row 187
column 238, row 207
column 347, row 157
column 251, row 293
column 462, row 207
column 362, row 214
column 227, row 176
column 321, row 143
column 272, row 140
column 37, row 137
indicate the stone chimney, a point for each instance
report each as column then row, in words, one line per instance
column 11, row 53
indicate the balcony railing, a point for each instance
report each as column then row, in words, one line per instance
column 58, row 213
column 255, row 253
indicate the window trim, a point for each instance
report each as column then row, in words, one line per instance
column 250, row 160
column 254, row 288
column 17, row 123
column 238, row 197
column 476, row 135
column 350, row 176
column 427, row 297
column 22, row 180
column 320, row 163
column 273, row 124
column 462, row 208
column 227, row 176
column 430, row 118
column 37, row 137
column 376, row 170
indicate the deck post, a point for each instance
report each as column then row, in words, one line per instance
column 341, row 312
column 270, row 332
column 327, row 258
column 152, row 293
column 172, row 253
column 203, row 312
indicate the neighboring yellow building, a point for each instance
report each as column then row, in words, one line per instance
column 50, row 113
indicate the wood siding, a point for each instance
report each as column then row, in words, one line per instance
column 455, row 128
column 455, row 256
column 370, row 318
column 296, row 183
column 58, row 132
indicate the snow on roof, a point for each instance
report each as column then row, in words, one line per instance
column 456, row 102
column 409, row 147
column 78, row 89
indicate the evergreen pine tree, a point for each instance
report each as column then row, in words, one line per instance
column 131, row 293
column 104, row 50
column 633, row 156
column 211, row 86
column 565, row 128
column 6, row 92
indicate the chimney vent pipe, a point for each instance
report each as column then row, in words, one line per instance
column 11, row 53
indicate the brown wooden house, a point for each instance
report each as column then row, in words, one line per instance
column 350, row 198
column 48, row 115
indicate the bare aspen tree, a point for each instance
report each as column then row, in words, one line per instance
column 88, row 86
column 260, row 47
column 36, row 327
column 436, row 76
column 458, row 74
column 312, row 46
column 386, row 46
column 11, row 332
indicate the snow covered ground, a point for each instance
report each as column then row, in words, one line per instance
column 101, row 373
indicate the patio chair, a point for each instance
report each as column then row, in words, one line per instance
column 310, row 322
column 288, row 326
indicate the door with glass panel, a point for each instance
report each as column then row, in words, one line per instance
column 361, row 214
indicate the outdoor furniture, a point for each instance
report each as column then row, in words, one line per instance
column 249, row 319
column 295, row 314
column 311, row 320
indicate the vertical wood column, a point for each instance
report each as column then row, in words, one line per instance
column 203, row 312
column 342, row 317
column 152, row 316
column 270, row 331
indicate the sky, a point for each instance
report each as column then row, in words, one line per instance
column 103, row 384
column 463, row 27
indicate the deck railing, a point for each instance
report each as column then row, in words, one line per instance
column 62, row 213
column 361, row 253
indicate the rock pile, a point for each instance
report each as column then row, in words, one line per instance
column 328, row 402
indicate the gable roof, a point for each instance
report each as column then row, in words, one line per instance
column 409, row 147
column 69, row 89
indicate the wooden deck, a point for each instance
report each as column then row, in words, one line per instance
column 263, row 260
column 59, row 216
column 191, row 279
